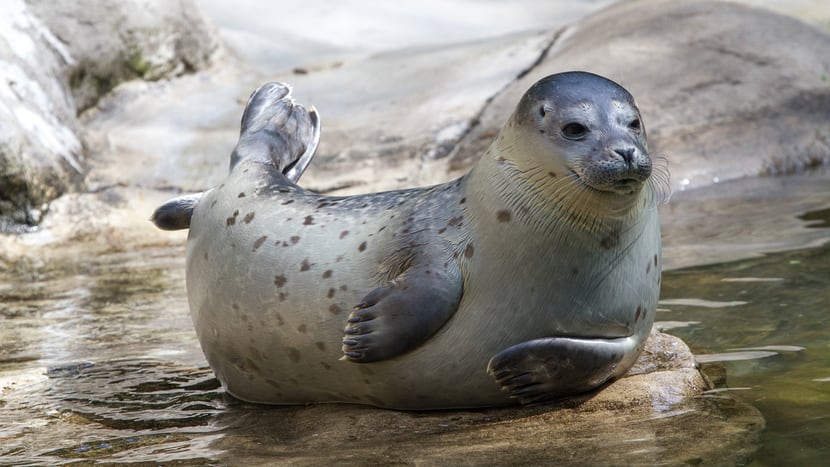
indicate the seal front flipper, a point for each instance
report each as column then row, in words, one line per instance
column 277, row 131
column 401, row 315
column 543, row 369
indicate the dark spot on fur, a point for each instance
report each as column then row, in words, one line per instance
column 288, row 201
column 241, row 194
column 309, row 220
column 503, row 215
column 468, row 251
column 462, row 201
column 280, row 281
column 344, row 233
column 294, row 239
column 320, row 345
column 648, row 267
column 249, row 217
column 361, row 247
column 551, row 174
column 331, row 293
column 327, row 273
column 574, row 271
column 612, row 240
column 655, row 260
column 335, row 309
column 232, row 220
column 442, row 230
column 325, row 365
column 281, row 296
column 280, row 321
column 283, row 190
column 302, row 328
column 258, row 243
column 294, row 355
column 344, row 287
column 305, row 265
column 213, row 204
column 637, row 316
column 382, row 228
column 206, row 255
column 455, row 221
column 236, row 308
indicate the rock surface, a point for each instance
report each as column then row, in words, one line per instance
column 40, row 152
column 57, row 59
column 726, row 91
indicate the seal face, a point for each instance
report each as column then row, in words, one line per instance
column 534, row 276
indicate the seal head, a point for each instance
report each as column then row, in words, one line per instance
column 593, row 125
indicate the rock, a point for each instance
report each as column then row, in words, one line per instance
column 726, row 90
column 646, row 418
column 57, row 59
column 122, row 40
column 40, row 152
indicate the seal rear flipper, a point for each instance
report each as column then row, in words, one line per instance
column 544, row 369
column 277, row 131
column 176, row 213
column 400, row 316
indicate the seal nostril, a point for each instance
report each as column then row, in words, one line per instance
column 626, row 153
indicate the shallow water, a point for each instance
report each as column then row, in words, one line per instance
column 99, row 361
column 770, row 335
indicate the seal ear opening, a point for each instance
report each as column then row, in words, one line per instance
column 176, row 213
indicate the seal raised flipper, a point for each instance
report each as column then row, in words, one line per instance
column 274, row 130
column 401, row 315
column 543, row 369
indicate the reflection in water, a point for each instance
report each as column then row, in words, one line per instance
column 784, row 327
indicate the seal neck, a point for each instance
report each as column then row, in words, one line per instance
column 549, row 200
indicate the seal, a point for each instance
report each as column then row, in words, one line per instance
column 532, row 277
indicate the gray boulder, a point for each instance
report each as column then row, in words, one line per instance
column 40, row 152
column 726, row 90
column 115, row 41
column 59, row 58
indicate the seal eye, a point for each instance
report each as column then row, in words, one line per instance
column 634, row 125
column 542, row 111
column 574, row 130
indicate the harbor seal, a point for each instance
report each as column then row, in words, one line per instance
column 534, row 276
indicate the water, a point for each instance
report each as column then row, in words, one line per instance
column 99, row 361
column 772, row 342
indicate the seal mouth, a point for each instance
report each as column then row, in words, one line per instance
column 626, row 185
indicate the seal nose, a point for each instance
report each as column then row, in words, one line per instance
column 626, row 153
